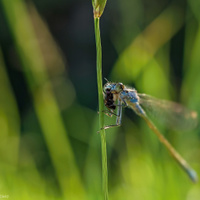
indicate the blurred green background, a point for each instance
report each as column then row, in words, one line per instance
column 49, row 146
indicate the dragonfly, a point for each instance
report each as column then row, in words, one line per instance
column 117, row 96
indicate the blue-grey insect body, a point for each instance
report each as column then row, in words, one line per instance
column 117, row 95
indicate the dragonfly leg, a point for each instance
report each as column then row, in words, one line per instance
column 126, row 105
column 118, row 119
column 110, row 126
column 109, row 113
column 119, row 113
column 122, row 105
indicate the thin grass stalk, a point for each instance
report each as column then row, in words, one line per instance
column 101, row 107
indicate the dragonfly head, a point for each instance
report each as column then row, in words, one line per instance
column 114, row 87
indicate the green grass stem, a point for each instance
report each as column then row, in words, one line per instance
column 101, row 107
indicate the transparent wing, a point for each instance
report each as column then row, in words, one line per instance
column 170, row 113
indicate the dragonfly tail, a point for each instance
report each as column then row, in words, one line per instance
column 181, row 161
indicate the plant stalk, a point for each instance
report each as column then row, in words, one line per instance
column 101, row 107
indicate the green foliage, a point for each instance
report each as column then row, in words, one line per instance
column 51, row 149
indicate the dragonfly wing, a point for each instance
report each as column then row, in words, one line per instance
column 169, row 113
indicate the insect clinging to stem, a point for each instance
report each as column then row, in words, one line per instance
column 117, row 95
